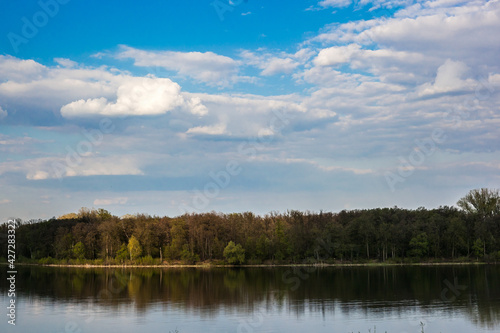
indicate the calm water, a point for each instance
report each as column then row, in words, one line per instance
column 394, row 299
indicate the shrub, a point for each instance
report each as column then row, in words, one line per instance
column 79, row 251
column 122, row 254
column 187, row 256
column 134, row 248
column 46, row 261
column 234, row 254
column 147, row 260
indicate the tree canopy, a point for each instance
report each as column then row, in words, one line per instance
column 483, row 202
column 234, row 254
column 294, row 237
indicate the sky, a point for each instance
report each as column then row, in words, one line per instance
column 174, row 106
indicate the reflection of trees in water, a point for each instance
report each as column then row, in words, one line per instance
column 382, row 291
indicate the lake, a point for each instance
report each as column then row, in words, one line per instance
column 272, row 299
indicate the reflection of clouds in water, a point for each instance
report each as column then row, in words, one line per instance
column 399, row 296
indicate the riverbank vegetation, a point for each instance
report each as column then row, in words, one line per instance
column 387, row 235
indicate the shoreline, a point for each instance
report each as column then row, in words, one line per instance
column 258, row 265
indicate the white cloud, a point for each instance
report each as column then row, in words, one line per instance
column 111, row 201
column 277, row 65
column 390, row 50
column 444, row 31
column 271, row 64
column 68, row 63
column 92, row 166
column 194, row 104
column 80, row 91
column 336, row 55
column 303, row 55
column 248, row 115
column 32, row 86
column 135, row 97
column 37, row 175
column 208, row 67
column 58, row 167
column 12, row 68
column 335, row 3
column 210, row 130
column 456, row 33
column 373, row 4
column 449, row 77
column 3, row 113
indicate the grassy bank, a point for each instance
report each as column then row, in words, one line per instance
column 156, row 262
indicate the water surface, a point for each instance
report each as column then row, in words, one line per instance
column 303, row 299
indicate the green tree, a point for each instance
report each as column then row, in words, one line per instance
column 179, row 234
column 234, row 254
column 478, row 248
column 79, row 250
column 455, row 235
column 483, row 202
column 262, row 247
column 63, row 243
column 419, row 245
column 104, row 214
column 280, row 241
column 134, row 248
column 188, row 256
column 122, row 254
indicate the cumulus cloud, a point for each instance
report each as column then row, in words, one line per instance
column 30, row 86
column 19, row 70
column 78, row 91
column 134, row 97
column 271, row 64
column 277, row 65
column 444, row 31
column 246, row 115
column 196, row 106
column 336, row 55
column 68, row 63
column 207, row 67
column 3, row 113
column 449, row 77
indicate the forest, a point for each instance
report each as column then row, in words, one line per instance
column 468, row 232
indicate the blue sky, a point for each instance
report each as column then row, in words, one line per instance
column 165, row 107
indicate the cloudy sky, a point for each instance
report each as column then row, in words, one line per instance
column 171, row 106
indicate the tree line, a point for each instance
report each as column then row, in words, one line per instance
column 469, row 232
